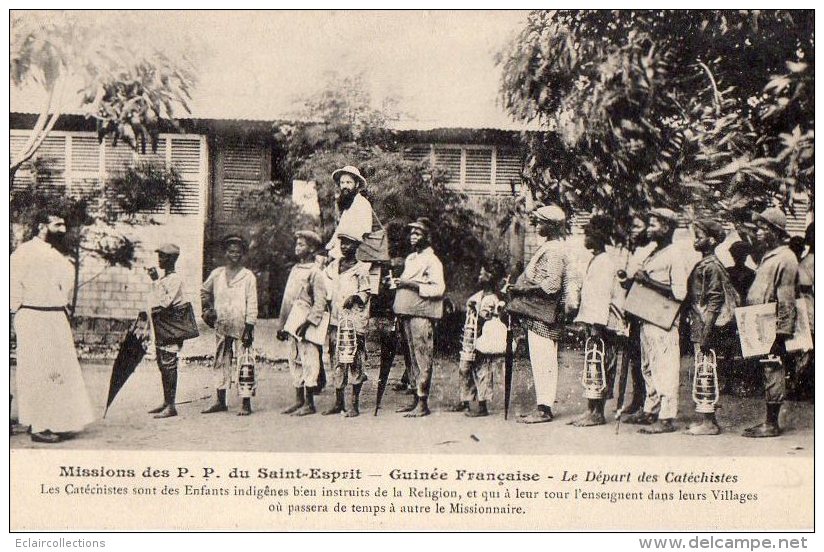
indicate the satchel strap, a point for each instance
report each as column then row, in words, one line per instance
column 376, row 219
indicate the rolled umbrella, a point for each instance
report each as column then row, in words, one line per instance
column 131, row 352
column 389, row 347
column 623, row 374
column 508, row 365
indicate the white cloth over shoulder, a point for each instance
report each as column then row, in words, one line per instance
column 425, row 269
column 356, row 221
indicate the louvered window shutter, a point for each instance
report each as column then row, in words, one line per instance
column 242, row 172
column 508, row 170
column 418, row 153
column 450, row 159
column 186, row 157
column 85, row 165
column 25, row 174
column 51, row 166
column 478, row 171
column 797, row 219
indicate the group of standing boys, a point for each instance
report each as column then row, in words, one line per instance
column 327, row 301
column 332, row 289
column 328, row 295
column 707, row 293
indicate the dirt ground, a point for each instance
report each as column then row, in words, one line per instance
column 128, row 426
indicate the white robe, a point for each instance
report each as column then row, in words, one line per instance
column 51, row 392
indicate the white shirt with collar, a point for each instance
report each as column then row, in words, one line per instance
column 425, row 269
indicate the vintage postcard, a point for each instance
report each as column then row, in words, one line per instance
column 366, row 270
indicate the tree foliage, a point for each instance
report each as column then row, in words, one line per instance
column 341, row 115
column 142, row 188
column 126, row 82
column 665, row 107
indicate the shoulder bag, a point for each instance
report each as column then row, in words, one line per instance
column 174, row 324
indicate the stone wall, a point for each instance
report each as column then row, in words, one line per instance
column 119, row 292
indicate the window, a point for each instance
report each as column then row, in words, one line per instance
column 242, row 172
column 76, row 163
column 473, row 169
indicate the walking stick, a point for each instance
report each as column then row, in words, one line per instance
column 623, row 376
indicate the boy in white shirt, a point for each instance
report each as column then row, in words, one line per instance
column 229, row 298
column 596, row 314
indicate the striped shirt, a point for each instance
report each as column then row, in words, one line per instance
column 549, row 269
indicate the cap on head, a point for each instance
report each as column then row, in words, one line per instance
column 235, row 239
column 311, row 238
column 549, row 213
column 712, row 228
column 423, row 224
column 774, row 217
column 349, row 236
column 168, row 249
column 352, row 171
column 662, row 213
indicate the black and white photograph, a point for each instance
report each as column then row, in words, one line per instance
column 450, row 234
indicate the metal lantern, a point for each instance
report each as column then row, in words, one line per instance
column 470, row 334
column 594, row 376
column 346, row 343
column 246, row 374
column 705, row 382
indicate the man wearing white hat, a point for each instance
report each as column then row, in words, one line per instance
column 545, row 276
column 775, row 281
column 356, row 215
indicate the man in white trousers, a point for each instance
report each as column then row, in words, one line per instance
column 666, row 271
column 546, row 275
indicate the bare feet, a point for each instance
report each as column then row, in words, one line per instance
column 590, row 419
column 305, row 410
column 704, row 428
column 419, row 411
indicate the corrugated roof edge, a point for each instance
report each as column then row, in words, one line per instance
column 405, row 127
